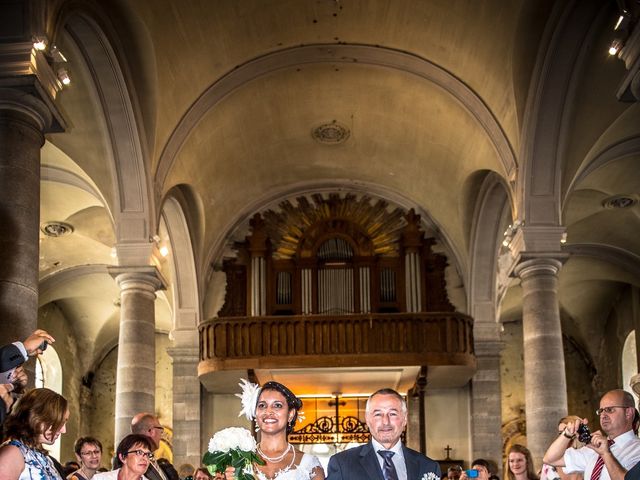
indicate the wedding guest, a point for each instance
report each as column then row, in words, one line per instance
column 202, row 474
column 520, row 464
column 275, row 413
column 133, row 455
column 384, row 455
column 10, row 392
column 38, row 419
column 89, row 454
column 147, row 424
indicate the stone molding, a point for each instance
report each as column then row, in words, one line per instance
column 143, row 279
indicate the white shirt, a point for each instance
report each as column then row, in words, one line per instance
column 397, row 459
column 626, row 450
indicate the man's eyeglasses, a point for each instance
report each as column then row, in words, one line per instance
column 157, row 428
column 609, row 410
column 91, row 453
column 141, row 453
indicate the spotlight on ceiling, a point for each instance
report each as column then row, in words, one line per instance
column 63, row 76
column 40, row 43
column 615, row 47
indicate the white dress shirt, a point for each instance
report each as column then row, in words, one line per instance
column 397, row 459
column 626, row 449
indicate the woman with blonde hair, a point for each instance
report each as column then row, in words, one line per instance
column 520, row 464
column 37, row 419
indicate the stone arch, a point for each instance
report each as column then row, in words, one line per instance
column 493, row 208
column 272, row 198
column 133, row 208
column 186, row 303
column 547, row 121
column 334, row 54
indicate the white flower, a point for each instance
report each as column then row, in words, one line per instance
column 430, row 476
column 249, row 398
column 232, row 438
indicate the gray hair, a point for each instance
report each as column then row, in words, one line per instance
column 387, row 391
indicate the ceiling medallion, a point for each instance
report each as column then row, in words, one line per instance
column 619, row 201
column 331, row 133
column 56, row 229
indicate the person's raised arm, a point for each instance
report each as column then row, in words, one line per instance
column 555, row 453
column 34, row 342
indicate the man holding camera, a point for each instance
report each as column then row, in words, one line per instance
column 608, row 454
column 13, row 378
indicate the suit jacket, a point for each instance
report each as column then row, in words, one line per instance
column 168, row 470
column 362, row 463
column 10, row 358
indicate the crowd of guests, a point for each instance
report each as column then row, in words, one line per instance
column 35, row 419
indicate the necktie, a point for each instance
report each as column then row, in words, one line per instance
column 597, row 468
column 388, row 468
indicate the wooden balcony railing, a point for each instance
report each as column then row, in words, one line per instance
column 230, row 343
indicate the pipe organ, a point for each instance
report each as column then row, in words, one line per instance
column 333, row 258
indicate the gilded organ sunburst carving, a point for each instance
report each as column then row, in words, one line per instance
column 297, row 227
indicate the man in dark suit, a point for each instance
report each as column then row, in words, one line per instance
column 147, row 424
column 13, row 378
column 15, row 354
column 384, row 457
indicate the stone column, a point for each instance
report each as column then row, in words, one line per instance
column 136, row 377
column 186, row 406
column 22, row 123
column 417, row 418
column 544, row 370
column 486, row 409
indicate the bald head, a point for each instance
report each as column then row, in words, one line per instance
column 617, row 412
column 148, row 425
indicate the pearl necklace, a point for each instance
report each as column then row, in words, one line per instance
column 282, row 470
column 279, row 457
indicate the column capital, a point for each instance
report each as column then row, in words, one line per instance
column 548, row 263
column 29, row 85
column 143, row 277
column 184, row 354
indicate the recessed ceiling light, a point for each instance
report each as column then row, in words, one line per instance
column 56, row 229
column 619, row 201
column 331, row 133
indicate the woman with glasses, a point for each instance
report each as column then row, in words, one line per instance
column 133, row 455
column 89, row 454
column 37, row 419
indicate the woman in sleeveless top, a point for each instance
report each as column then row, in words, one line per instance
column 38, row 419
column 275, row 413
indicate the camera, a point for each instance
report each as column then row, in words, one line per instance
column 43, row 345
column 584, row 435
column 473, row 473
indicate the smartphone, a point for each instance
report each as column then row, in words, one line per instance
column 473, row 473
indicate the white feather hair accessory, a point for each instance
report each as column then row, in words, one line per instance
column 248, row 398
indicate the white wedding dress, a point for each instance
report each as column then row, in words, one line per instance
column 304, row 471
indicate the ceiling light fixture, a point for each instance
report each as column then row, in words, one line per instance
column 63, row 76
column 40, row 43
column 510, row 232
column 163, row 249
column 615, row 46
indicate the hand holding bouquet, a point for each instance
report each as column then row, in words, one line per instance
column 232, row 447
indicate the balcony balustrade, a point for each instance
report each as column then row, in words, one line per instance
column 431, row 339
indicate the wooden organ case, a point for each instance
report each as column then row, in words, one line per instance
column 335, row 256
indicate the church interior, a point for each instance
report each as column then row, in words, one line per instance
column 441, row 197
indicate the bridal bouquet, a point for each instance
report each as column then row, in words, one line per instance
column 232, row 447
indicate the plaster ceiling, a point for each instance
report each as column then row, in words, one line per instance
column 409, row 136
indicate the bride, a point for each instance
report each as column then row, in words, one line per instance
column 275, row 413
